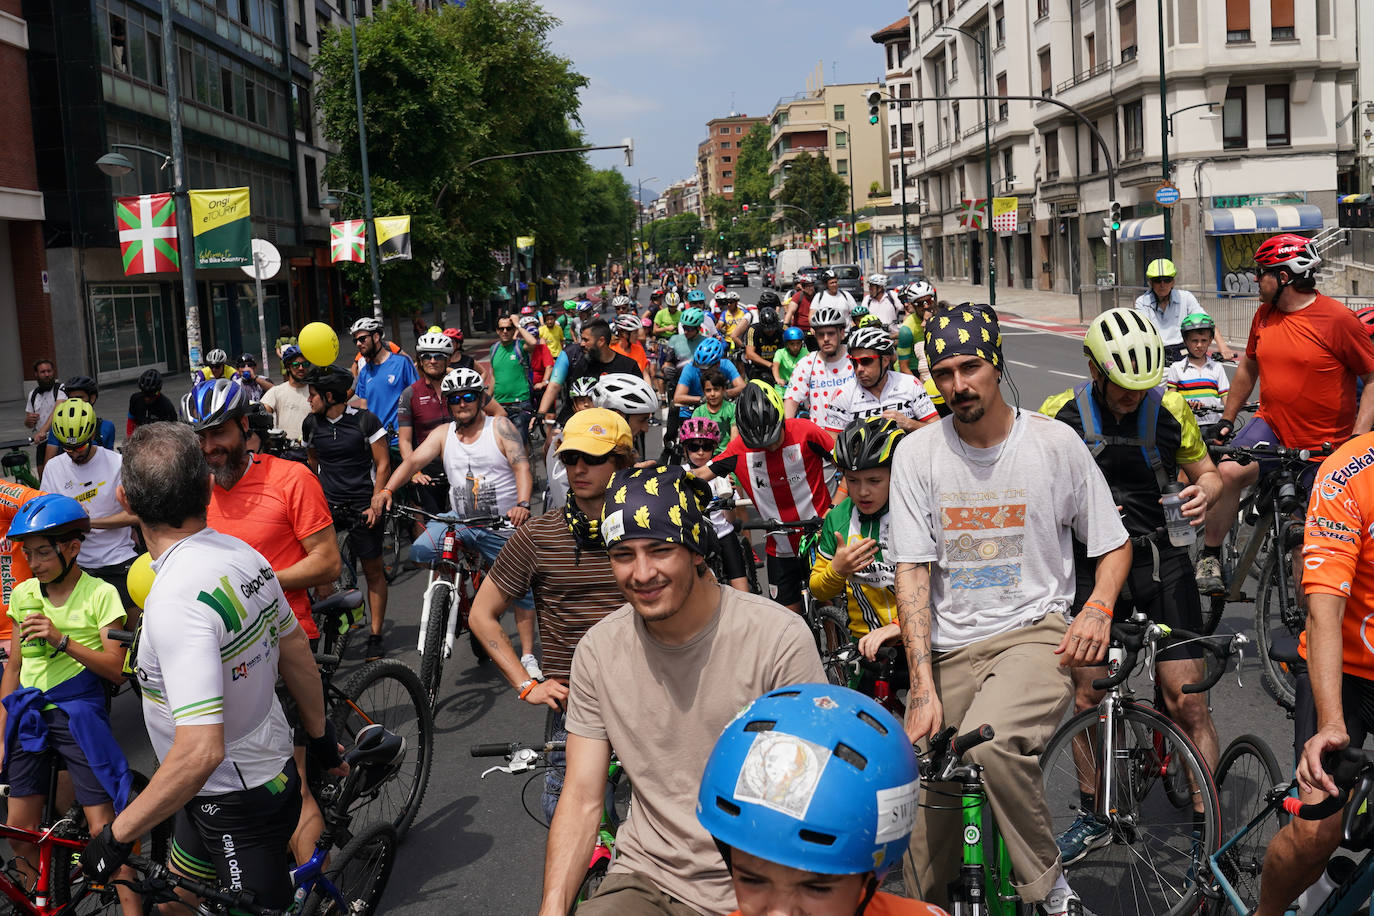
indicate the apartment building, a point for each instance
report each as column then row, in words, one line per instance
column 680, row 197
column 716, row 155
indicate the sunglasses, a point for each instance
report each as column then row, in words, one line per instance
column 463, row 397
column 699, row 445
column 1161, row 279
column 436, row 356
column 863, row 360
column 571, row 459
column 359, row 341
column 500, row 330
column 298, row 364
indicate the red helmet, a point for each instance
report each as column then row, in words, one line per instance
column 1366, row 316
column 1293, row 252
column 455, row 333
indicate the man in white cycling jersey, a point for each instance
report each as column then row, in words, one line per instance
column 875, row 390
column 819, row 377
column 217, row 632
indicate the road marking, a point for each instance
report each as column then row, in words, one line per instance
column 1065, row 374
column 1017, row 362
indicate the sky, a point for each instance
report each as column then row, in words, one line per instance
column 660, row 69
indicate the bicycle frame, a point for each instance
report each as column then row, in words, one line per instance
column 978, row 882
column 48, row 844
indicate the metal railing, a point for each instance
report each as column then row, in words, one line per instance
column 1084, row 76
column 1232, row 313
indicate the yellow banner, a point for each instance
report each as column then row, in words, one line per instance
column 832, row 231
column 524, row 241
column 862, row 226
column 220, row 226
column 393, row 237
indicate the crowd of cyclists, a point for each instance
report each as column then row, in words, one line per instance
column 993, row 544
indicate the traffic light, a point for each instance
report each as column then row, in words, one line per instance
column 722, row 236
column 629, row 152
column 1115, row 217
column 875, row 101
column 745, row 208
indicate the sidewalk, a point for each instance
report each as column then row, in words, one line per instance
column 1032, row 304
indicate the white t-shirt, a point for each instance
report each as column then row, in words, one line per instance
column 208, row 656
column 902, row 393
column 290, row 406
column 44, row 402
column 885, row 307
column 815, row 382
column 998, row 523
column 841, row 300
column 557, row 494
column 93, row 485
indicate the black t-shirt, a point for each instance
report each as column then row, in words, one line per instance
column 585, row 365
column 344, row 449
column 142, row 410
column 765, row 344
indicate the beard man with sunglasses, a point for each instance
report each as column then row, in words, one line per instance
column 875, row 390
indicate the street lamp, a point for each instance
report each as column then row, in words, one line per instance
column 369, row 225
column 1168, row 125
column 991, row 254
column 639, row 205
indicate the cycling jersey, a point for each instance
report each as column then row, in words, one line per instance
column 380, row 386
column 766, row 346
column 422, row 407
column 665, row 322
column 635, row 351
column 1203, row 387
column 343, row 448
column 871, row 592
column 902, row 393
column 730, row 322
column 911, row 337
column 552, row 338
column 205, row 372
column 787, row 482
column 93, row 484
column 208, row 656
column 14, row 568
column 816, row 381
column 143, row 410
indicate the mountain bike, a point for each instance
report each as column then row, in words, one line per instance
column 16, row 462
column 1128, row 770
column 524, row 759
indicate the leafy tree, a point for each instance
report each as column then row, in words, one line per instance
column 812, row 186
column 674, row 238
column 741, row 229
column 752, row 183
column 606, row 216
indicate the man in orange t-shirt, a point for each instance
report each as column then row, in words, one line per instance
column 14, row 568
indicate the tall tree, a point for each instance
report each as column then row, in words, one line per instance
column 812, row 186
column 752, row 183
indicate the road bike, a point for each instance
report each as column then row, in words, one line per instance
column 525, row 759
column 1248, row 783
column 1127, row 770
column 16, row 462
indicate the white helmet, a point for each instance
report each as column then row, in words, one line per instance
column 461, row 379
column 434, row 343
column 628, row 324
column 365, row 325
column 216, row 358
column 671, row 299
column 919, row 289
column 584, row 387
column 624, row 393
column 827, row 316
column 620, row 302
column 877, row 280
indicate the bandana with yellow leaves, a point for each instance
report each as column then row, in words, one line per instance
column 662, row 503
column 964, row 330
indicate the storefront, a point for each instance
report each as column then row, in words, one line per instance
column 1237, row 231
column 133, row 327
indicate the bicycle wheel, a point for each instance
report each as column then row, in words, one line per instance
column 155, row 845
column 436, row 627
column 1277, row 615
column 1246, row 775
column 359, row 872
column 391, row 547
column 1152, row 853
column 388, row 691
column 831, row 628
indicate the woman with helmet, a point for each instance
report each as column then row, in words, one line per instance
column 803, row 831
column 821, row 376
column 148, row 404
column 1166, row 306
column 61, row 661
column 79, row 388
column 1201, row 380
column 700, row 440
column 876, row 391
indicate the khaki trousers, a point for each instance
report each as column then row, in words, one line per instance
column 632, row 895
column 1014, row 683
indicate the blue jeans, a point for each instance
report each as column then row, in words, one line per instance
column 488, row 543
column 556, row 729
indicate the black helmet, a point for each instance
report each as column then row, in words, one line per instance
column 150, row 382
column 81, row 383
column 759, row 415
column 330, row 380
column 247, row 359
column 769, row 319
column 768, row 299
column 867, row 443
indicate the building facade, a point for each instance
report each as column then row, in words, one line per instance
column 717, row 153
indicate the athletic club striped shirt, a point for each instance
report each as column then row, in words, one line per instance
column 787, row 483
column 1203, row 387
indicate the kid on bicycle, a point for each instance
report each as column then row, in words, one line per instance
column 700, row 437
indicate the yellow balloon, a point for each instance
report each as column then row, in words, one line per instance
column 319, row 343
column 140, row 580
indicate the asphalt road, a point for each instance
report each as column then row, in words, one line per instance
column 473, row 850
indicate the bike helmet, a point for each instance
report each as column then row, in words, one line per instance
column 1199, row 321
column 626, row 394
column 870, row 321
column 917, row 290
column 1291, row 252
column 857, row 312
column 656, row 294
column 875, row 339
column 759, row 415
column 1160, row 268
column 721, row 296
column 248, row 360
column 827, row 316
column 1366, row 316
column 708, row 353
column 793, row 334
column 434, row 343
column 628, row 324
column 216, row 357
column 672, row 299
column 530, row 323
column 584, row 387
column 150, row 382
column 291, row 352
column 331, row 381
column 732, row 296
column 73, row 422
column 1126, row 347
column 769, row 319
column 620, row 302
column 569, row 305
column 213, row 402
column 699, row 428
column 695, row 295
column 460, row 380
column 769, row 299
column 867, row 443
column 692, row 318
column 365, row 326
column 81, row 383
column 50, row 514
column 527, row 310
column 878, row 280
column 454, row 334
column 829, row 275
column 843, row 764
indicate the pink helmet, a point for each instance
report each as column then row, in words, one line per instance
column 699, row 428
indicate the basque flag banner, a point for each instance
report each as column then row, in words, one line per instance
column 347, row 241
column 147, row 233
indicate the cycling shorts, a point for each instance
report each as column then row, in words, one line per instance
column 1357, row 705
column 30, row 772
column 785, row 578
column 734, row 554
column 240, row 840
column 1173, row 600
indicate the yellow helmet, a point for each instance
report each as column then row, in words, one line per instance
column 1160, row 267
column 1126, row 347
column 73, row 423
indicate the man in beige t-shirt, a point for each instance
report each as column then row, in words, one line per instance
column 658, row 679
column 290, row 403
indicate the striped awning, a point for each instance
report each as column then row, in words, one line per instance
column 1142, row 229
column 1242, row 220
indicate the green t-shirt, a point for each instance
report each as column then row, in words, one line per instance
column 508, row 373
column 725, row 420
column 787, row 362
column 92, row 605
column 665, row 322
column 908, row 333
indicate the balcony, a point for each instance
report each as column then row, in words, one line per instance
column 1083, row 77
column 975, row 129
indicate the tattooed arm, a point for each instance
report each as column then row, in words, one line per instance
column 924, row 714
column 513, row 447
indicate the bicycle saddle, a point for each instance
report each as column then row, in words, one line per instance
column 376, row 756
column 1285, row 649
column 338, row 603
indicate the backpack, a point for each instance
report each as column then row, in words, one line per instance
column 1147, row 415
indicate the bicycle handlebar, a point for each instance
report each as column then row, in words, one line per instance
column 509, row 748
column 947, row 749
column 448, row 518
column 806, row 525
column 16, row 443
column 157, row 878
column 1135, row 634
column 1246, row 454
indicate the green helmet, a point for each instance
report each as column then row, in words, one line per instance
column 1198, row 321
column 1161, row 267
column 1126, row 347
column 569, row 305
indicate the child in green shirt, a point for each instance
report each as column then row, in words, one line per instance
column 786, row 359
column 715, row 406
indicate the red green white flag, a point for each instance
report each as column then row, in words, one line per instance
column 347, row 241
column 973, row 213
column 147, row 233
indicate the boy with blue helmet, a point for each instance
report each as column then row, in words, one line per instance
column 801, row 827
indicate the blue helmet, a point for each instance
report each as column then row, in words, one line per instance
column 793, row 334
column 814, row 777
column 695, row 295
column 708, row 353
column 50, row 514
column 692, row 318
column 213, row 402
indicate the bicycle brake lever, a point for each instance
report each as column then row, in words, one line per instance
column 497, row 769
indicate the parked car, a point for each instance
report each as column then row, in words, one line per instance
column 735, row 275
column 751, row 267
column 850, row 276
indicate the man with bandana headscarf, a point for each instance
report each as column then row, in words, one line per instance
column 983, row 546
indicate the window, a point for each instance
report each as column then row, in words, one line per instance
column 1234, row 132
column 1281, row 20
column 842, row 167
column 1093, row 153
column 1090, row 46
column 903, row 51
column 906, row 136
column 1051, row 144
column 955, row 110
column 1276, row 131
column 726, row 159
column 739, row 129
column 1133, row 127
column 312, row 183
column 892, row 136
column 1042, row 8
column 725, row 130
column 1045, row 85
column 119, row 44
column 896, row 173
column 725, row 144
column 1237, row 21
column 1002, row 107
column 226, row 88
column 999, row 24
column 839, row 113
column 841, row 139
column 1125, row 17
column 921, row 138
column 953, row 62
column 301, row 110
column 1006, row 165
column 727, row 174
column 1323, row 17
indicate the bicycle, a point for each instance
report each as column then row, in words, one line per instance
column 524, row 759
column 1117, row 754
column 458, row 568
column 1248, row 779
column 16, row 462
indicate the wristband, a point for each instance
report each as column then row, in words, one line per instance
column 388, row 489
column 1098, row 605
column 325, row 748
column 61, row 646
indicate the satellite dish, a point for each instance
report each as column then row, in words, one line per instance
column 266, row 261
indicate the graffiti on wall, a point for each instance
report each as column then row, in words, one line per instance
column 1236, row 264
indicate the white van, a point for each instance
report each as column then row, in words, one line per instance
column 788, row 263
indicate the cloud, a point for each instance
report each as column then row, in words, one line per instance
column 601, row 102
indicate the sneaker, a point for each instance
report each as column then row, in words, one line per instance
column 374, row 650
column 1083, row 836
column 1209, row 580
column 531, row 665
column 1061, row 901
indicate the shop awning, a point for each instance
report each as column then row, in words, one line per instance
column 1141, row 229
column 1243, row 220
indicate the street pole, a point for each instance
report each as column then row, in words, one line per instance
column 1163, row 137
column 901, row 171
column 369, row 223
column 186, row 256
column 990, row 256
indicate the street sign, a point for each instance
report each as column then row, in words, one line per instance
column 1166, row 195
column 266, row 263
